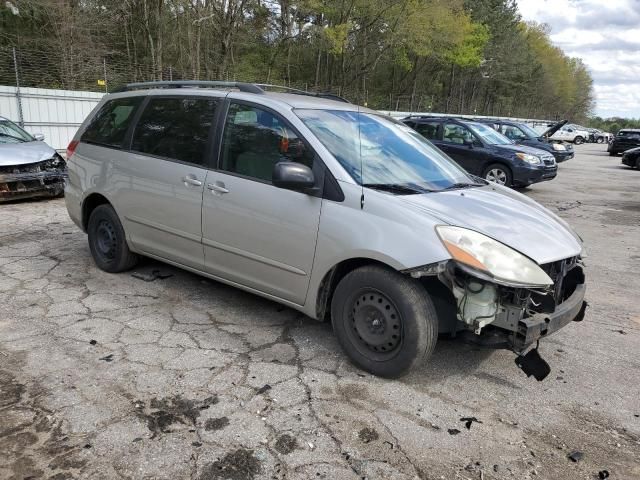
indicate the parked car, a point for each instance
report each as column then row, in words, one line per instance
column 626, row 139
column 336, row 211
column 632, row 158
column 28, row 166
column 523, row 134
column 598, row 136
column 568, row 133
column 482, row 151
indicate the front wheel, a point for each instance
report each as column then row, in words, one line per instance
column 499, row 174
column 600, row 140
column 578, row 140
column 384, row 321
column 107, row 241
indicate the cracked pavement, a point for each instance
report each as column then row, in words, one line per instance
column 109, row 376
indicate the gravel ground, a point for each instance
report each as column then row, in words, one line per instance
column 111, row 376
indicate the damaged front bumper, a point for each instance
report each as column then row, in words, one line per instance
column 498, row 315
column 41, row 179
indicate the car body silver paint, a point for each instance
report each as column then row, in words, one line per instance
column 24, row 153
column 398, row 231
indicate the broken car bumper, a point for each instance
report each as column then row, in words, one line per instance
column 532, row 329
column 15, row 186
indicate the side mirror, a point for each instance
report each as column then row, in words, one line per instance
column 468, row 143
column 293, row 176
column 39, row 137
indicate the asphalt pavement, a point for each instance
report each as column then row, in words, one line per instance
column 131, row 376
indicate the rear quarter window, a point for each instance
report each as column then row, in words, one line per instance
column 175, row 128
column 109, row 126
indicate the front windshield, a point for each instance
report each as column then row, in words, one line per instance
column 380, row 152
column 488, row 134
column 11, row 133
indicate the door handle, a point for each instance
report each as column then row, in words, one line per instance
column 217, row 187
column 191, row 180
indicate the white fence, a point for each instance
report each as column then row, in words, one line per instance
column 56, row 114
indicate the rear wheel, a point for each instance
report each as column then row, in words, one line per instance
column 384, row 321
column 578, row 140
column 498, row 173
column 107, row 241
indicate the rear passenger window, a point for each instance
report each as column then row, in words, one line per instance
column 427, row 130
column 175, row 128
column 255, row 140
column 109, row 126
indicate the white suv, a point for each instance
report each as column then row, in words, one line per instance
column 571, row 133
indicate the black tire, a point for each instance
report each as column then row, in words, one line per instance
column 508, row 176
column 600, row 140
column 578, row 140
column 107, row 241
column 407, row 328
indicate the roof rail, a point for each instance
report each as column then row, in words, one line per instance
column 243, row 87
column 297, row 91
column 258, row 88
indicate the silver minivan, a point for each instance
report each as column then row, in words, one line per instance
column 329, row 208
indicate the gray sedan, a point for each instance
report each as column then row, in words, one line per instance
column 28, row 166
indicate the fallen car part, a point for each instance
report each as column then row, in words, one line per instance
column 532, row 364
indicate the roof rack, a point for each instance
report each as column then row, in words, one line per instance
column 258, row 88
column 297, row 91
column 243, row 87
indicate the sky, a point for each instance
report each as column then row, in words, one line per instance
column 606, row 36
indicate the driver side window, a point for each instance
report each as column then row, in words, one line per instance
column 454, row 133
column 254, row 140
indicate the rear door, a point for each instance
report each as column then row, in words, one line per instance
column 468, row 156
column 255, row 234
column 160, row 186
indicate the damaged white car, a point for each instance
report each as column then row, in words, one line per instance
column 28, row 166
column 334, row 210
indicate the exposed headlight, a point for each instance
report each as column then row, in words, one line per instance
column 492, row 258
column 532, row 159
column 559, row 147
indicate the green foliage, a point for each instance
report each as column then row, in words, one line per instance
column 457, row 56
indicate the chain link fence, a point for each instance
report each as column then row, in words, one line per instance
column 36, row 68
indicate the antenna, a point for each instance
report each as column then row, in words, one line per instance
column 361, row 161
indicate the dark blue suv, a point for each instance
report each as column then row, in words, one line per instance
column 484, row 152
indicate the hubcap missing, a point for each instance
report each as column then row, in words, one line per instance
column 375, row 323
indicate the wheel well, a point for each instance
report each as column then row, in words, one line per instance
column 504, row 165
column 89, row 205
column 333, row 277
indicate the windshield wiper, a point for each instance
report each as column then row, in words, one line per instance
column 11, row 136
column 456, row 186
column 398, row 188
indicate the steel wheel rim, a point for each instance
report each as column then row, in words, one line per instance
column 374, row 325
column 106, row 240
column 497, row 175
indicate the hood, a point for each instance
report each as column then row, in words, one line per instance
column 24, row 153
column 522, row 148
column 506, row 216
column 632, row 151
column 554, row 128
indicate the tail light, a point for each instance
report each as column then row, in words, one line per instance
column 72, row 148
